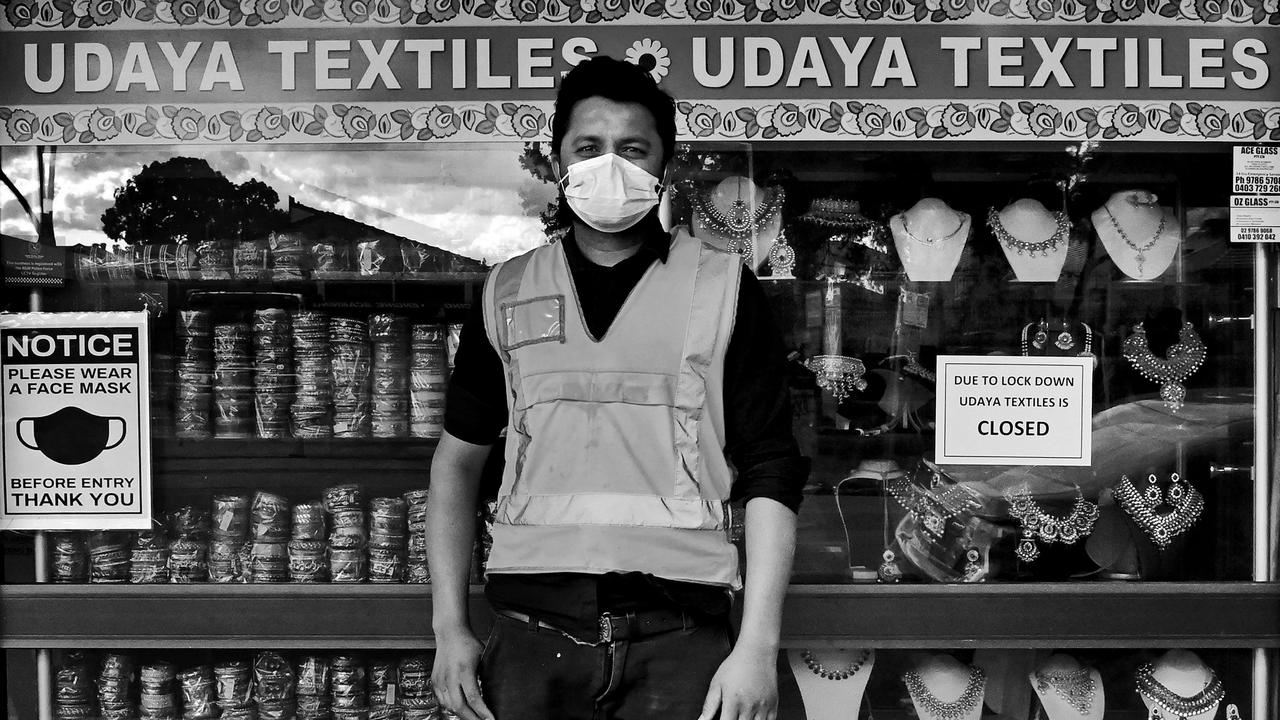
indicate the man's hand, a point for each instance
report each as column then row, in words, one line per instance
column 745, row 687
column 453, row 677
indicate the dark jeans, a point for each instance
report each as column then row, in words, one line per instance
column 532, row 673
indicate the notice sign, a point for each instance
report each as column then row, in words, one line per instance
column 1256, row 169
column 1255, row 218
column 77, row 451
column 1014, row 410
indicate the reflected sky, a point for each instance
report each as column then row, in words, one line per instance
column 474, row 199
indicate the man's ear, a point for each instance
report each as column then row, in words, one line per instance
column 555, row 168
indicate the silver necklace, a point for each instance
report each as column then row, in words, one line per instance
column 1184, row 358
column 954, row 710
column 929, row 239
column 1037, row 524
column 826, row 673
column 1184, row 500
column 1140, row 250
column 1182, row 707
column 1043, row 247
column 1075, row 687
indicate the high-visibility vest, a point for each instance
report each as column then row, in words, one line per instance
column 615, row 446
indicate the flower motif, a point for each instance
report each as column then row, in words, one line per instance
column 675, row 10
column 528, row 10
column 873, row 119
column 21, row 125
column 271, row 123
column 20, row 13
column 527, row 121
column 1128, row 9
column 1271, row 6
column 80, row 8
column 1209, row 11
column 104, row 124
column 1272, row 119
column 272, row 11
column 1128, row 120
column 1211, row 121
column 1044, row 10
column 787, row 119
column 701, row 9
column 164, row 12
column 443, row 121
column 1044, row 120
column 248, row 7
column 187, row 12
column 588, row 5
column 703, row 120
column 357, row 123
column 957, row 119
column 651, row 56
column 104, row 12
column 957, row 9
column 870, row 9
column 612, row 9
column 787, row 9
column 186, row 123
column 355, row 11
column 443, row 10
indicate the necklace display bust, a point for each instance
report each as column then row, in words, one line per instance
column 832, row 680
column 943, row 688
column 930, row 237
column 738, row 215
column 1033, row 239
column 1068, row 690
column 1141, row 237
column 1180, row 679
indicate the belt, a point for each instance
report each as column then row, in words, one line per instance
column 620, row 626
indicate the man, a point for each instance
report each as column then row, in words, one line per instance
column 630, row 367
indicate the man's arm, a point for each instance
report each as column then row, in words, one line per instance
column 451, row 533
column 746, row 685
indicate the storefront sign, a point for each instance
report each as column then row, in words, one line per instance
column 28, row 264
column 351, row 72
column 1014, row 410
column 77, row 451
column 1255, row 169
column 1255, row 218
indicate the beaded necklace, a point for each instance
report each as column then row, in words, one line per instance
column 739, row 222
column 1181, row 706
column 1184, row 499
column 826, row 673
column 954, row 710
column 1140, row 250
column 1040, row 525
column 1184, row 358
column 1075, row 687
column 1043, row 247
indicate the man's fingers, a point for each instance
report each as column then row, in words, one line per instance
column 711, row 703
column 475, row 701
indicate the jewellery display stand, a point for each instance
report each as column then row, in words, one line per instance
column 1141, row 237
column 832, row 681
column 739, row 215
column 1179, row 686
column 943, row 688
column 1068, row 690
column 930, row 238
column 1034, row 240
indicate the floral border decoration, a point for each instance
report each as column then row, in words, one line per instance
column 702, row 120
column 54, row 14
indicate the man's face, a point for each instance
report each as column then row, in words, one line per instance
column 598, row 126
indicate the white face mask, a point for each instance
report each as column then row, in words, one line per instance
column 609, row 193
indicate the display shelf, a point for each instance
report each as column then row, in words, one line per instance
column 1089, row 615
column 178, row 449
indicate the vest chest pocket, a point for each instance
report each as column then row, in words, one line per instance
column 531, row 321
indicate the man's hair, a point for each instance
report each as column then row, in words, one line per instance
column 619, row 81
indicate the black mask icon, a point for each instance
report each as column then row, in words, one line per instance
column 71, row 436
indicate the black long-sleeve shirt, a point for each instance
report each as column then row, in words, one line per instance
column 759, row 440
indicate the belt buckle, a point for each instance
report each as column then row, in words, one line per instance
column 606, row 628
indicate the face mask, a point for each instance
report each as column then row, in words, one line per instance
column 609, row 193
column 70, row 436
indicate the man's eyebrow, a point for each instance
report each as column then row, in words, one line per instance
column 574, row 139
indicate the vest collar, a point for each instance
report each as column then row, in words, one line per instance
column 656, row 244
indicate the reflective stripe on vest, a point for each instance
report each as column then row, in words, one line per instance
column 625, row 431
